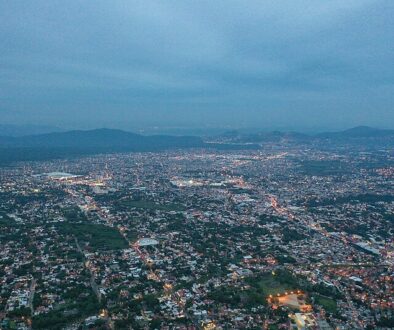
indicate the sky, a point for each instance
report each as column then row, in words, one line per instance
column 292, row 64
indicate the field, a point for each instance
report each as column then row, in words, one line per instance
column 269, row 284
column 328, row 304
column 99, row 237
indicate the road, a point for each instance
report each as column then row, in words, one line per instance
column 93, row 283
column 32, row 292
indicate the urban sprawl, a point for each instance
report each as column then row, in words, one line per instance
column 284, row 237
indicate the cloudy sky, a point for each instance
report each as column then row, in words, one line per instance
column 134, row 64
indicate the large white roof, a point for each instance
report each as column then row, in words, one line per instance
column 147, row 242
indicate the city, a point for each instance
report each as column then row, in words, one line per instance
column 197, row 165
column 284, row 237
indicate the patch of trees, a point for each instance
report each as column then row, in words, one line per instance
column 290, row 235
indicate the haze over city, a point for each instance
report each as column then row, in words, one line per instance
column 134, row 65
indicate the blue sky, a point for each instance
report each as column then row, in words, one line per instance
column 135, row 64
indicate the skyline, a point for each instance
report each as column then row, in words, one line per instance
column 144, row 64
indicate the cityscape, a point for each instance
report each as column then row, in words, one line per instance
column 197, row 165
column 288, row 236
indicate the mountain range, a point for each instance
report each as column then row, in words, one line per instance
column 355, row 133
column 101, row 139
column 359, row 132
column 77, row 143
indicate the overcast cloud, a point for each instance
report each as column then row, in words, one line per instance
column 132, row 64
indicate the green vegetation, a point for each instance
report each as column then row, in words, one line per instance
column 290, row 235
column 235, row 297
column 326, row 291
column 352, row 199
column 273, row 284
column 389, row 217
column 387, row 322
column 20, row 312
column 328, row 304
column 177, row 223
column 359, row 229
column 131, row 235
column 74, row 214
column 255, row 231
column 80, row 303
column 149, row 205
column 6, row 221
column 324, row 167
column 285, row 259
column 99, row 237
column 268, row 218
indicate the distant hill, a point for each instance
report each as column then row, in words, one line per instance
column 100, row 138
column 76, row 143
column 277, row 136
column 80, row 143
column 259, row 137
column 359, row 132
